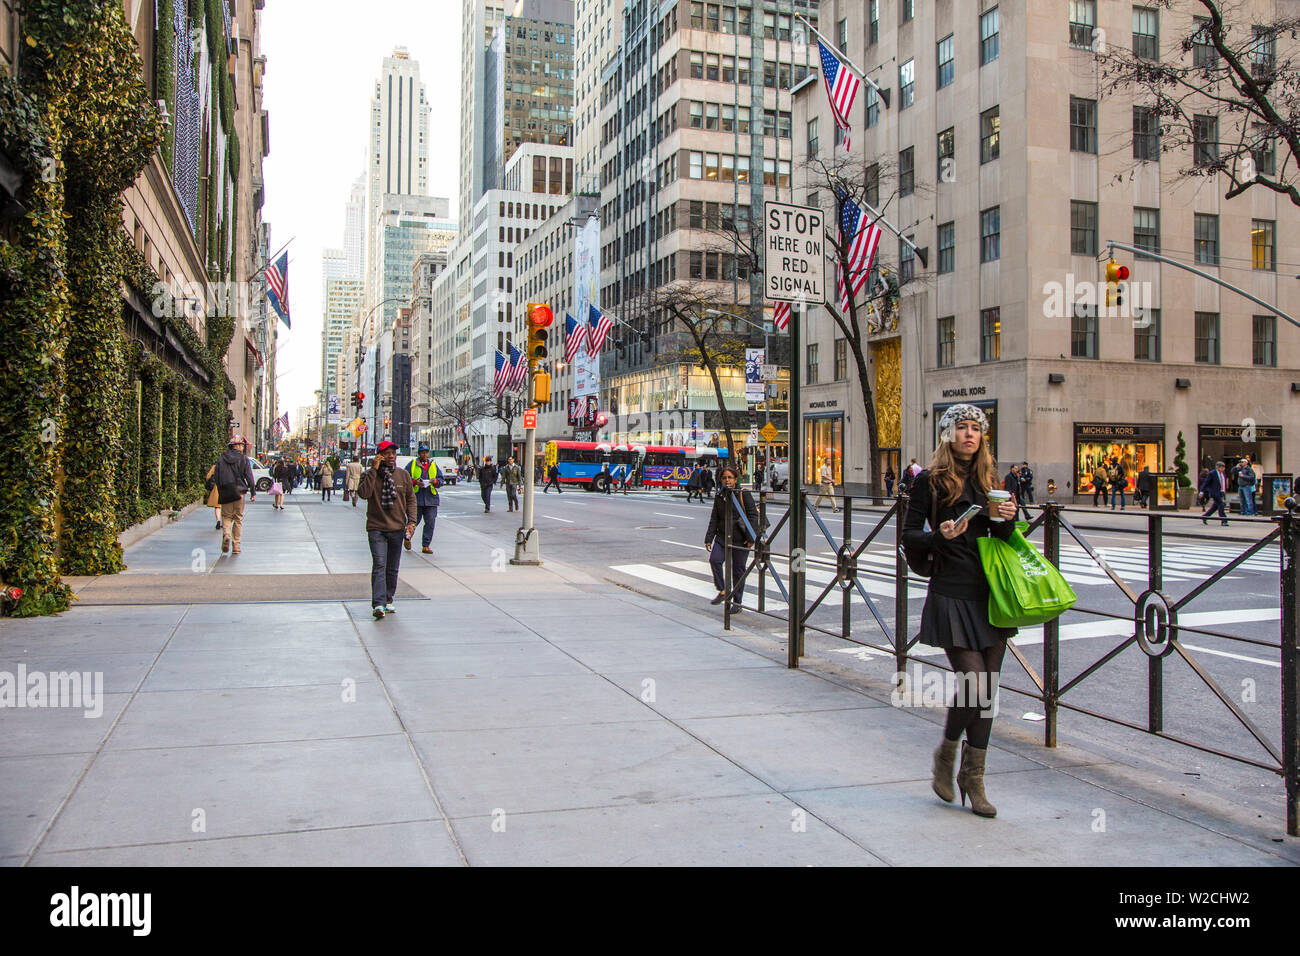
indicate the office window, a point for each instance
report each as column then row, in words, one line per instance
column 1083, row 20
column 946, row 68
column 873, row 185
column 1263, row 246
column 697, row 66
column 1207, row 239
column 1083, row 332
column 696, row 110
column 988, row 36
column 1262, row 52
column 906, row 261
column 812, row 137
column 1204, row 55
column 947, row 242
column 695, row 211
column 907, row 9
column 711, row 166
column 711, row 116
column 990, row 335
column 1146, row 32
column 1146, row 133
column 906, row 84
column 728, row 118
column 696, row 166
column 1146, row 337
column 711, row 66
column 1264, row 340
column 1264, row 149
column 991, row 234
column 1207, row 338
column 1083, row 125
column 810, row 372
column 1083, row 228
column 946, row 171
column 873, row 106
column 728, row 19
column 1146, row 229
column 907, row 171
column 947, row 340
column 873, row 21
column 697, row 16
column 697, row 265
column 1205, row 140
column 842, row 33
column 990, row 134
column 728, row 69
column 841, row 359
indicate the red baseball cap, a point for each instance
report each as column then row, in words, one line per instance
column 384, row 446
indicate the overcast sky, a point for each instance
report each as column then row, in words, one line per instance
column 322, row 60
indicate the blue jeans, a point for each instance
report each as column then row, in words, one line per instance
column 429, row 515
column 1247, row 500
column 385, row 555
column 1117, row 493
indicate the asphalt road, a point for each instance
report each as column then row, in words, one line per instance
column 653, row 543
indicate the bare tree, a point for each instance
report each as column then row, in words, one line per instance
column 1232, row 71
column 460, row 403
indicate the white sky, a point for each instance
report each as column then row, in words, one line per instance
column 322, row 60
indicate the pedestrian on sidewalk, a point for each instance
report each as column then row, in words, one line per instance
column 553, row 478
column 693, row 484
column 352, row 480
column 424, row 476
column 487, row 477
column 1244, row 474
column 325, row 478
column 706, row 482
column 1100, row 486
column 283, row 480
column 1143, row 488
column 232, row 477
column 1214, row 486
column 513, row 477
column 1118, row 483
column 955, row 616
column 889, row 481
column 390, row 522
column 724, row 517
column 1026, row 484
column 608, row 482
column 827, row 488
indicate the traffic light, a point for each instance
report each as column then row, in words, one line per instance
column 541, row 388
column 1115, row 274
column 539, row 320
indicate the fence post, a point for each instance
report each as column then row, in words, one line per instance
column 1052, row 629
column 766, row 550
column 846, row 622
column 1290, row 674
column 900, row 589
column 1156, row 664
column 726, row 562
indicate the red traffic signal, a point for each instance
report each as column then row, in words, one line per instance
column 539, row 315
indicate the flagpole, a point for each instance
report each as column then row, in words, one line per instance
column 856, row 69
column 269, row 259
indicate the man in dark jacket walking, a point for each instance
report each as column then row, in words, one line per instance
column 553, row 478
column 390, row 520
column 512, row 476
column 232, row 476
column 487, row 477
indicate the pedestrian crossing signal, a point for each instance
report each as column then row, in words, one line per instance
column 541, row 388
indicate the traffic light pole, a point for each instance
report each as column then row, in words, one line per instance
column 528, row 546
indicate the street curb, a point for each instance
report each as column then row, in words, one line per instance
column 138, row 532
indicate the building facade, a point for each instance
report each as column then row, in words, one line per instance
column 1010, row 311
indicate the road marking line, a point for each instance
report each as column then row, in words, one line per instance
column 669, row 514
column 553, row 518
column 683, row 544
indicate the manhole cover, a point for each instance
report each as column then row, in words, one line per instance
column 653, row 527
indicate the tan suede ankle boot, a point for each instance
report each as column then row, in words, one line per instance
column 944, row 759
column 970, row 780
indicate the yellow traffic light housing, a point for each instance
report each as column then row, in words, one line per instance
column 540, row 318
column 1115, row 274
column 541, row 388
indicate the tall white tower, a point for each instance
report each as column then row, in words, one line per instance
column 399, row 147
column 354, row 229
column 479, row 22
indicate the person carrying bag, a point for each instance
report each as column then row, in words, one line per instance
column 1024, row 588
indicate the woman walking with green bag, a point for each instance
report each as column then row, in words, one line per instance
column 955, row 617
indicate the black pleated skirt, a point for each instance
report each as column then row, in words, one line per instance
column 957, row 622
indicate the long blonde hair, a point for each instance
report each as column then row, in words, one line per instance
column 947, row 482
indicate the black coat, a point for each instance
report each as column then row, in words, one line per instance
column 958, row 571
column 487, row 475
column 724, row 515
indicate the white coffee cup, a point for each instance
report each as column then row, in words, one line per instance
column 996, row 497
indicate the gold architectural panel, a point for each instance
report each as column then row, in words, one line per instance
column 889, row 392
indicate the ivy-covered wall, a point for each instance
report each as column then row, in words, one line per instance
column 101, row 432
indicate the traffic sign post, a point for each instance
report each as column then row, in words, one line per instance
column 528, row 547
column 794, row 253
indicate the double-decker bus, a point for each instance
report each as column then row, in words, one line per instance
column 660, row 466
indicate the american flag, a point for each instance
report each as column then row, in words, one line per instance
column 860, row 240
column 842, row 86
column 575, row 337
column 600, row 325
column 518, row 370
column 781, row 315
column 502, row 377
column 280, row 426
column 277, row 288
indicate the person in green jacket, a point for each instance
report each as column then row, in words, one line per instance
column 513, row 476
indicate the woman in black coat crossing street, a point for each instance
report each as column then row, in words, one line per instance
column 722, row 518
column 955, row 616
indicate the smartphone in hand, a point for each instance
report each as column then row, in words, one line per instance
column 969, row 513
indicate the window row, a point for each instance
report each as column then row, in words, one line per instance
column 724, row 167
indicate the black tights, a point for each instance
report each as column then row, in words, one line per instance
column 976, row 677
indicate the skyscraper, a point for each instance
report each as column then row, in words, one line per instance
column 479, row 22
column 354, row 229
column 399, row 148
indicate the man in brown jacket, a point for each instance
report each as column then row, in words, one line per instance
column 390, row 520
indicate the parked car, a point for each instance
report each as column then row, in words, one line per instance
column 782, row 466
column 261, row 475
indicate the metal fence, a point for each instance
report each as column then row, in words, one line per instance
column 1154, row 615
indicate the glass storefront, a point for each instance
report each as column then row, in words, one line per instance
column 1134, row 446
column 1228, row 444
column 823, row 441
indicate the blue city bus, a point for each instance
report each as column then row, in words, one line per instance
column 660, row 466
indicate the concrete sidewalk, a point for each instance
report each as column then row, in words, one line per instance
column 512, row 716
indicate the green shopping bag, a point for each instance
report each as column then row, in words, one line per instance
column 1024, row 588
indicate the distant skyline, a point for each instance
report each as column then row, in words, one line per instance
column 322, row 60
